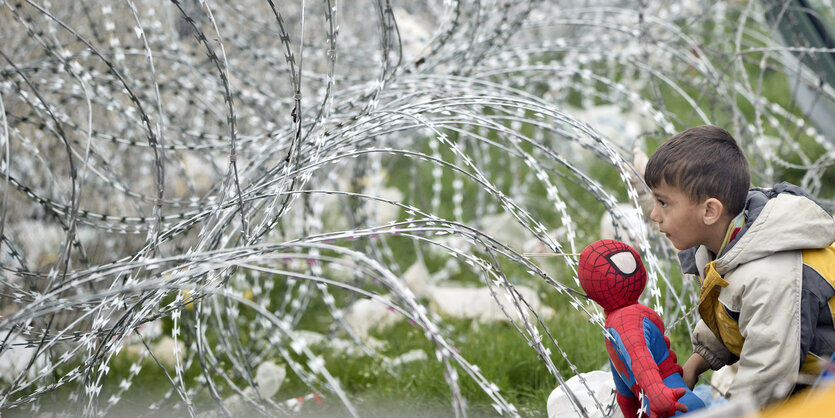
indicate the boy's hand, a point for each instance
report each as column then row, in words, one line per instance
column 693, row 367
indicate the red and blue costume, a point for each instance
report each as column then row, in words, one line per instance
column 612, row 274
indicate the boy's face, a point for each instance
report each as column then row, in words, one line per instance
column 678, row 217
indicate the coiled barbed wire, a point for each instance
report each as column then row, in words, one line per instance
column 162, row 159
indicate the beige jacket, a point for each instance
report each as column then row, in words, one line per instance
column 763, row 269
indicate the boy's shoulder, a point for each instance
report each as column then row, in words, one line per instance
column 782, row 218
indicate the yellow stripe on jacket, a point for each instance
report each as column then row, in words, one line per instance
column 821, row 260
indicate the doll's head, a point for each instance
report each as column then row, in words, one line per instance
column 612, row 274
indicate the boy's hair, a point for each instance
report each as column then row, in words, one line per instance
column 703, row 162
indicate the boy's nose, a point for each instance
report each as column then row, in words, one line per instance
column 654, row 214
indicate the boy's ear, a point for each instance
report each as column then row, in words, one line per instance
column 713, row 210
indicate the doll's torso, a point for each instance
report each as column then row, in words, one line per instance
column 650, row 332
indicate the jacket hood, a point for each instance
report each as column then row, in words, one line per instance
column 783, row 218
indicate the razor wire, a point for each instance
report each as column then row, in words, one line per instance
column 193, row 160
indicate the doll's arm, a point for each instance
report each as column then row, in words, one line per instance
column 663, row 400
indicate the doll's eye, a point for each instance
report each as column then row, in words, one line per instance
column 625, row 262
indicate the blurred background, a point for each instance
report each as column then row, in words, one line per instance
column 224, row 208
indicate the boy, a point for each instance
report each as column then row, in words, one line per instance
column 765, row 259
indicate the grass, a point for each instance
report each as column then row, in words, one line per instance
column 501, row 354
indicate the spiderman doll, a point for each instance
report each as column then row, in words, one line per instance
column 612, row 274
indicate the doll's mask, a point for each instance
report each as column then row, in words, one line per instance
column 612, row 274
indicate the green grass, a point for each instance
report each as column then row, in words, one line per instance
column 500, row 352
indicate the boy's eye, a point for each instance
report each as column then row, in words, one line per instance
column 662, row 203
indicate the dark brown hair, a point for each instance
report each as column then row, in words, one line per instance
column 703, row 161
